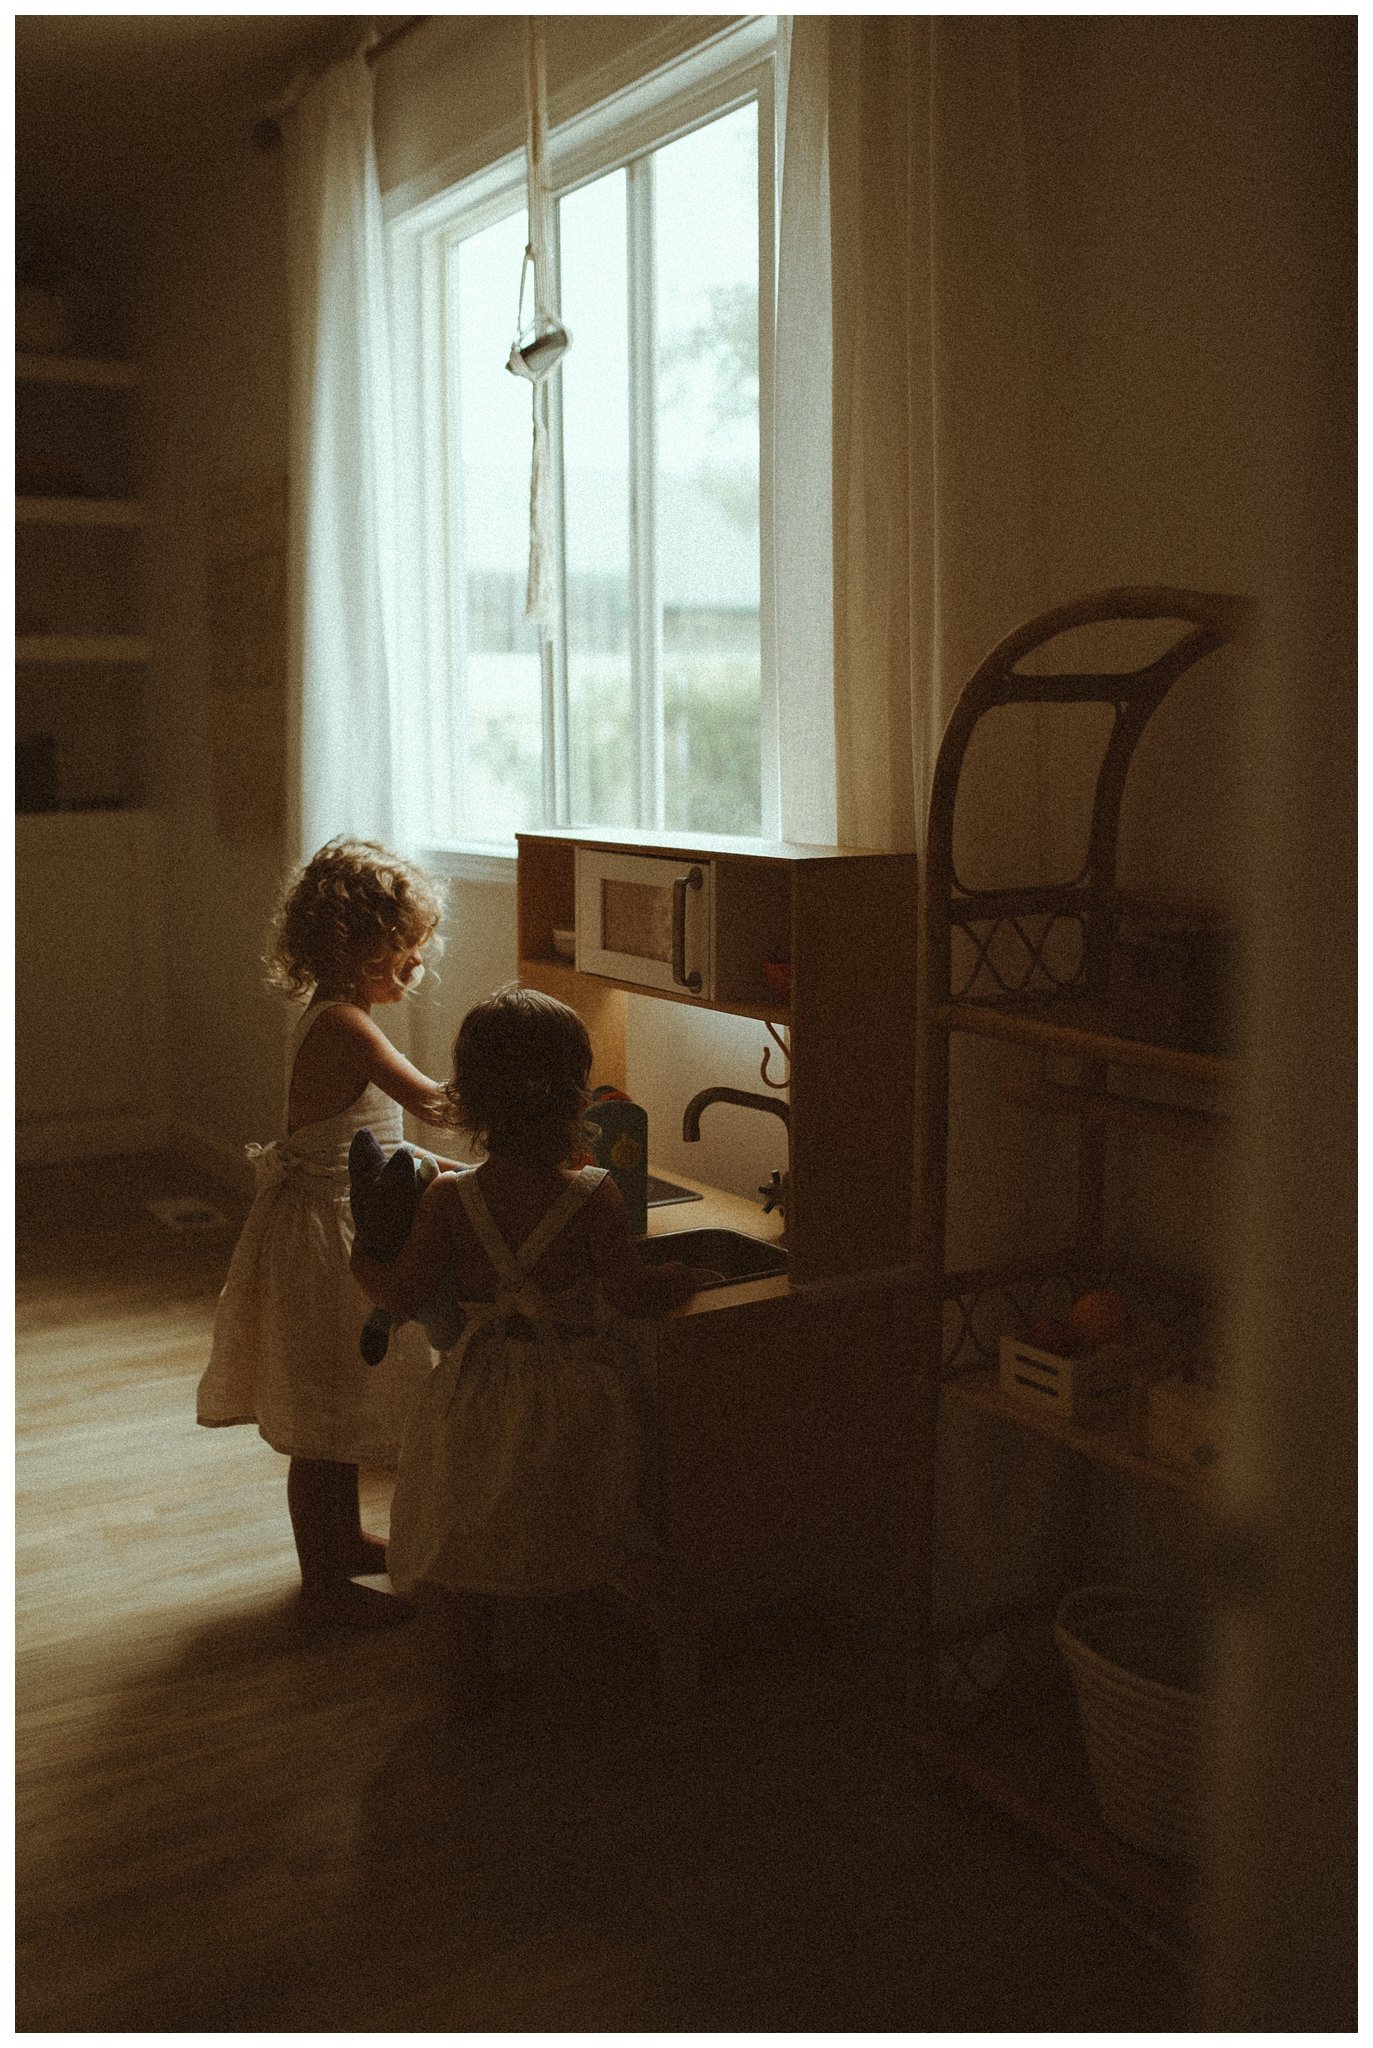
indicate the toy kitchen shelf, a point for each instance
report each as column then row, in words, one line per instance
column 1112, row 1446
column 1056, row 969
column 820, row 940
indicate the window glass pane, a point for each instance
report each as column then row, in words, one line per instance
column 595, row 382
column 500, row 699
column 707, row 437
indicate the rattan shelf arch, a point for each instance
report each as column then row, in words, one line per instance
column 1040, row 1006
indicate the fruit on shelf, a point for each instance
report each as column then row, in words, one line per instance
column 1100, row 1317
column 1051, row 1333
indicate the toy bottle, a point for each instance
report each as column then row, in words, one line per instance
column 617, row 1130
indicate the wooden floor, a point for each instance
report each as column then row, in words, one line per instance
column 226, row 1825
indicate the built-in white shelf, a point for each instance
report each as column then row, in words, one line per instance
column 91, row 647
column 94, row 370
column 81, row 649
column 79, row 511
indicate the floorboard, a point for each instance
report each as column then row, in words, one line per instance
column 225, row 1824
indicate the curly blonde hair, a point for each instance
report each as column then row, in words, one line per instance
column 345, row 912
column 520, row 1067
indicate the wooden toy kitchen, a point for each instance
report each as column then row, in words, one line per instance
column 787, row 1420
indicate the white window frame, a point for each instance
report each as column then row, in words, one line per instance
column 709, row 81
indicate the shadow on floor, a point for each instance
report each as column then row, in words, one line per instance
column 226, row 1824
column 273, row 1831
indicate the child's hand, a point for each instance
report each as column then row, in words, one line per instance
column 629, row 1283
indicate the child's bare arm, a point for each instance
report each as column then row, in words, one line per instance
column 404, row 1083
column 364, row 1045
column 412, row 1276
column 627, row 1283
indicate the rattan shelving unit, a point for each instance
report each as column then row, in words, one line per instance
column 1038, row 966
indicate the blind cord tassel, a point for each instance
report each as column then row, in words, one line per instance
column 537, row 350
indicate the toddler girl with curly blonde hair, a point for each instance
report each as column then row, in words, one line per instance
column 349, row 937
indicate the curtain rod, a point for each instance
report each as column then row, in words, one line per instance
column 267, row 132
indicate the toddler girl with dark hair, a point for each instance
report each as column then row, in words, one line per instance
column 521, row 1468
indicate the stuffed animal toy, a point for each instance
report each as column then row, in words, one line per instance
column 384, row 1195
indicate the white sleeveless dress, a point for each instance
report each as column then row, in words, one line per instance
column 285, row 1352
column 522, row 1470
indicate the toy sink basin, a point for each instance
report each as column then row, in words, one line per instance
column 729, row 1252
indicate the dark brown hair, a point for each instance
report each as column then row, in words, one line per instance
column 520, row 1069
column 345, row 911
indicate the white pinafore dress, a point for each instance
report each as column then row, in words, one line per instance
column 285, row 1352
column 522, row 1470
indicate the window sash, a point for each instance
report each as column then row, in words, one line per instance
column 701, row 87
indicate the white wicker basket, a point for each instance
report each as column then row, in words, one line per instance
column 1134, row 1664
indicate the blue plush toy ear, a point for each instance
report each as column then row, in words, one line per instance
column 384, row 1193
column 375, row 1340
column 365, row 1161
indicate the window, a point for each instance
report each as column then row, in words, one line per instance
column 650, row 702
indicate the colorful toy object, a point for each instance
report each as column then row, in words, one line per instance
column 617, row 1132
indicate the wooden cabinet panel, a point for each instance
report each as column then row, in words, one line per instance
column 787, row 1446
column 83, row 1007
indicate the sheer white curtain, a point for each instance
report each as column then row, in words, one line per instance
column 935, row 391
column 346, row 751
column 803, row 506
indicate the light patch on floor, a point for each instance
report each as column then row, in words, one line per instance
column 189, row 1213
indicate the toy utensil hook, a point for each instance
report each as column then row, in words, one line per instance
column 763, row 1074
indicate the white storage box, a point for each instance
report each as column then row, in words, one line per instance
column 1091, row 1389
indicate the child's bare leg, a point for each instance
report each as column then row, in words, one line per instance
column 362, row 1554
column 317, row 1490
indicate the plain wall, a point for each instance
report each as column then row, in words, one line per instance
column 211, row 337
